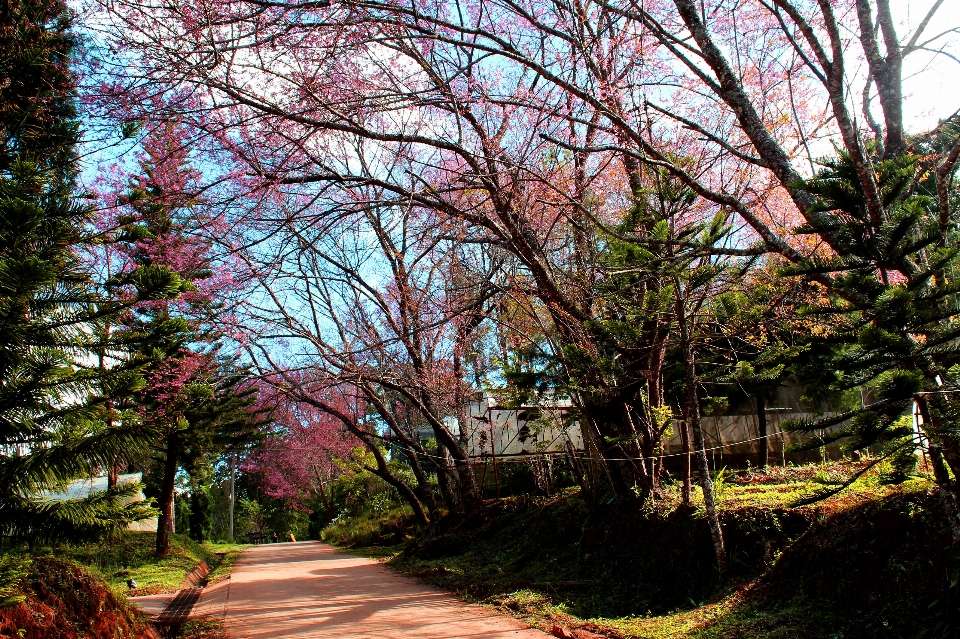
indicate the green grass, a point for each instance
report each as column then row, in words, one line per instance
column 130, row 555
column 203, row 629
column 371, row 529
column 231, row 552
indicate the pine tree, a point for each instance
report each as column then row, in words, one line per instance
column 50, row 402
column 194, row 397
column 896, row 301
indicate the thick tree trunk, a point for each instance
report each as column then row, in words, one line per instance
column 764, row 443
column 470, row 498
column 620, row 473
column 447, row 480
column 167, row 491
column 468, row 495
column 471, row 495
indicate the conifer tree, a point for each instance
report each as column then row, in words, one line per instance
column 50, row 400
column 194, row 397
column 896, row 300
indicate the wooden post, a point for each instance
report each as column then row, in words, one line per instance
column 762, row 432
column 493, row 450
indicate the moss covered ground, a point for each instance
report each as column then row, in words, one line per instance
column 873, row 561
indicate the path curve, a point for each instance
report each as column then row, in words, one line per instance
column 310, row 590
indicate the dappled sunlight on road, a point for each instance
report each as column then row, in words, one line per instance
column 310, row 590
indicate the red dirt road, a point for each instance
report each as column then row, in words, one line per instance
column 309, row 590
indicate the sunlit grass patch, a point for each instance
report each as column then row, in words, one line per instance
column 130, row 556
column 230, row 554
column 203, row 629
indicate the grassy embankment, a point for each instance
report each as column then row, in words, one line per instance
column 130, row 555
column 874, row 561
column 80, row 588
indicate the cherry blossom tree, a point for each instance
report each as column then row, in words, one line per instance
column 524, row 129
column 298, row 462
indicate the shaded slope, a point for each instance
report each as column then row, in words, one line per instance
column 65, row 602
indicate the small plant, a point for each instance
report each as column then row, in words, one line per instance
column 823, row 477
column 720, row 484
column 12, row 571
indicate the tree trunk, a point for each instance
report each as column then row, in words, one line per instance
column 383, row 472
column 113, row 475
column 947, row 492
column 943, row 445
column 423, row 489
column 233, row 493
column 167, row 486
column 687, row 491
column 762, row 432
column 468, row 495
column 706, row 483
column 471, row 495
column 621, row 473
column 470, row 498
column 322, row 493
column 447, row 480
column 693, row 413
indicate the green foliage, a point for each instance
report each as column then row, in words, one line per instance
column 52, row 406
column 13, row 569
column 356, row 492
column 720, row 484
column 893, row 301
column 266, row 516
column 249, row 518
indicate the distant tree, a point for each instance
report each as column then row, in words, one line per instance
column 300, row 459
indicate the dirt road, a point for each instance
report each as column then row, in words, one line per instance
column 308, row 589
